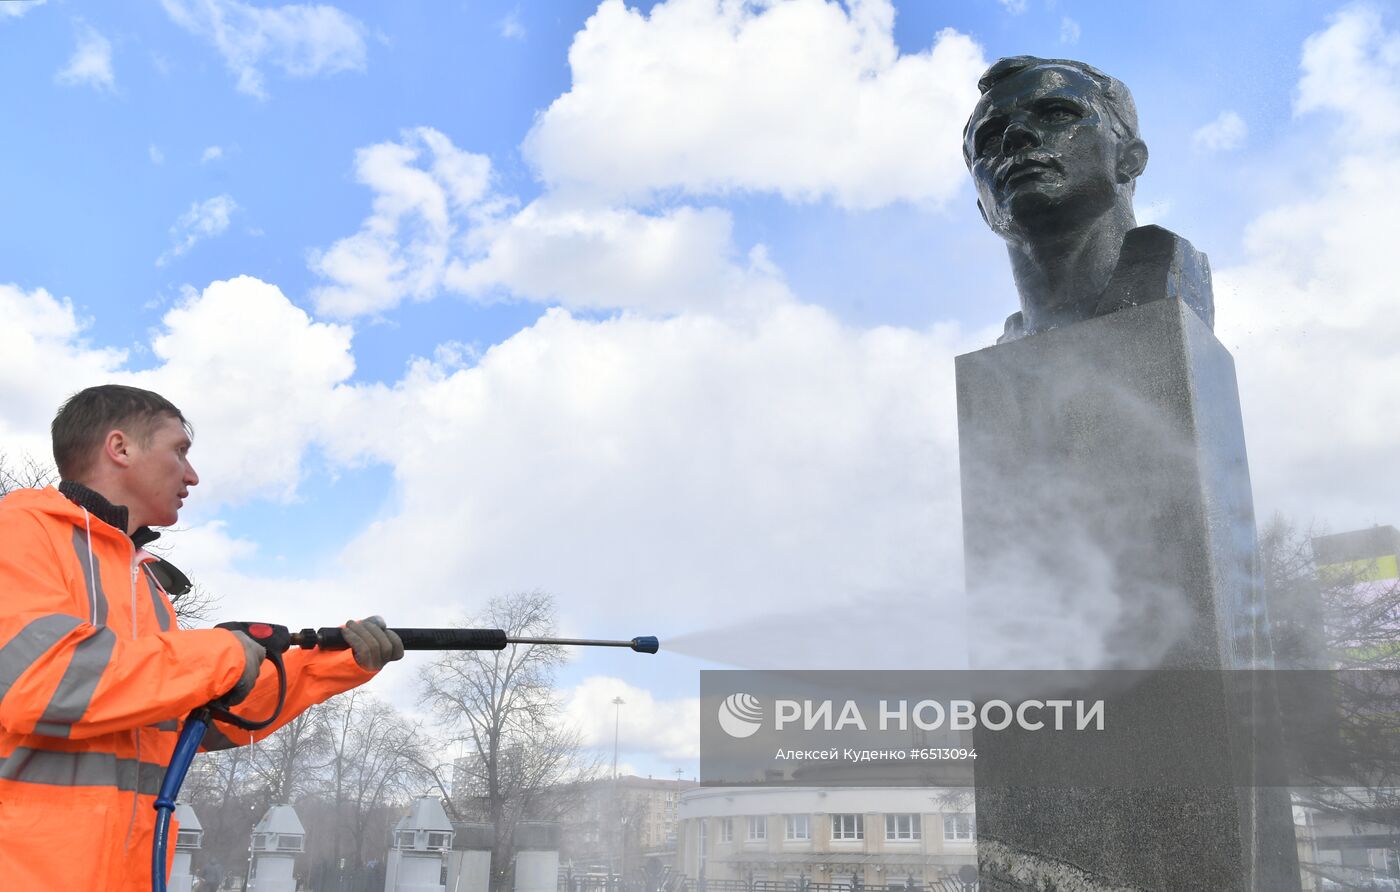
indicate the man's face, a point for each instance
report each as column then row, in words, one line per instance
column 160, row 475
column 1043, row 152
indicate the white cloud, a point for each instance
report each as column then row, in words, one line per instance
column 210, row 154
column 156, row 155
column 205, row 219
column 805, row 98
column 436, row 226
column 511, row 26
column 426, row 191
column 91, row 62
column 43, row 332
column 16, row 8
column 256, row 376
column 727, row 467
column 211, row 548
column 832, row 120
column 301, row 40
column 1226, row 132
column 1351, row 68
column 1015, row 7
column 608, row 257
column 1311, row 311
column 1069, row 31
column 644, row 724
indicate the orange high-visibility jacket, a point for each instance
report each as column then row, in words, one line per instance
column 95, row 677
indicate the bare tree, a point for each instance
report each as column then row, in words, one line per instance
column 219, row 787
column 503, row 706
column 28, row 473
column 1326, row 617
column 294, row 759
column 377, row 758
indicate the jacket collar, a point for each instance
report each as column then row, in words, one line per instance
column 98, row 506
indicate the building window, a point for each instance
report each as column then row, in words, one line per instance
column 848, row 826
column 758, row 828
column 704, row 840
column 726, row 830
column 797, row 827
column 901, row 827
column 438, row 840
column 957, row 827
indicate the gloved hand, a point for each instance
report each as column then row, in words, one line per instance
column 373, row 643
column 253, row 655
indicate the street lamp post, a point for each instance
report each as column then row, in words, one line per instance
column 617, row 717
column 617, row 806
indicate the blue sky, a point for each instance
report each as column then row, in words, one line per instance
column 652, row 306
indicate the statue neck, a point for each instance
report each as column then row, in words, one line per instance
column 1062, row 272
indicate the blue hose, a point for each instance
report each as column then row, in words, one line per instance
column 187, row 747
column 191, row 735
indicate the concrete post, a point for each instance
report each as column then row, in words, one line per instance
column 277, row 839
column 416, row 854
column 189, row 837
column 469, row 862
column 537, row 856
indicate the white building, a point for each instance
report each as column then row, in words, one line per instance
column 880, row 836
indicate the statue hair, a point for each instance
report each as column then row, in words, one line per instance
column 1116, row 99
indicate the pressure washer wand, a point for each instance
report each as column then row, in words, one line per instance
column 278, row 639
column 463, row 639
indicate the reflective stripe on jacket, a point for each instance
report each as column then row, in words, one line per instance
column 95, row 677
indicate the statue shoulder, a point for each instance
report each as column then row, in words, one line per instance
column 1015, row 328
column 1157, row 264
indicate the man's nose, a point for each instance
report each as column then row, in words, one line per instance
column 1017, row 137
column 191, row 478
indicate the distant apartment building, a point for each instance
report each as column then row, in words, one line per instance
column 1339, row 848
column 619, row 825
column 876, row 837
column 1369, row 555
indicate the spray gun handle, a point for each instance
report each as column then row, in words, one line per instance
column 273, row 638
column 275, row 641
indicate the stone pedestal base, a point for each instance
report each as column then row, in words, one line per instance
column 1108, row 523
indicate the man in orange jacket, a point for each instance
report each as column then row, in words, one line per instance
column 95, row 676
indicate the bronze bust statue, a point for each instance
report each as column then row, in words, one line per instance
column 1054, row 150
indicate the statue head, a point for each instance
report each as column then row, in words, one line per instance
column 1052, row 144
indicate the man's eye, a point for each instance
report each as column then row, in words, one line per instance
column 1060, row 115
column 987, row 139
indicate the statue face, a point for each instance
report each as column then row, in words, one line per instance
column 1044, row 155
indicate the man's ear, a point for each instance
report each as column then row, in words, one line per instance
column 116, row 448
column 1132, row 160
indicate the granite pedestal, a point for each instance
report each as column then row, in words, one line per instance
column 1108, row 523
